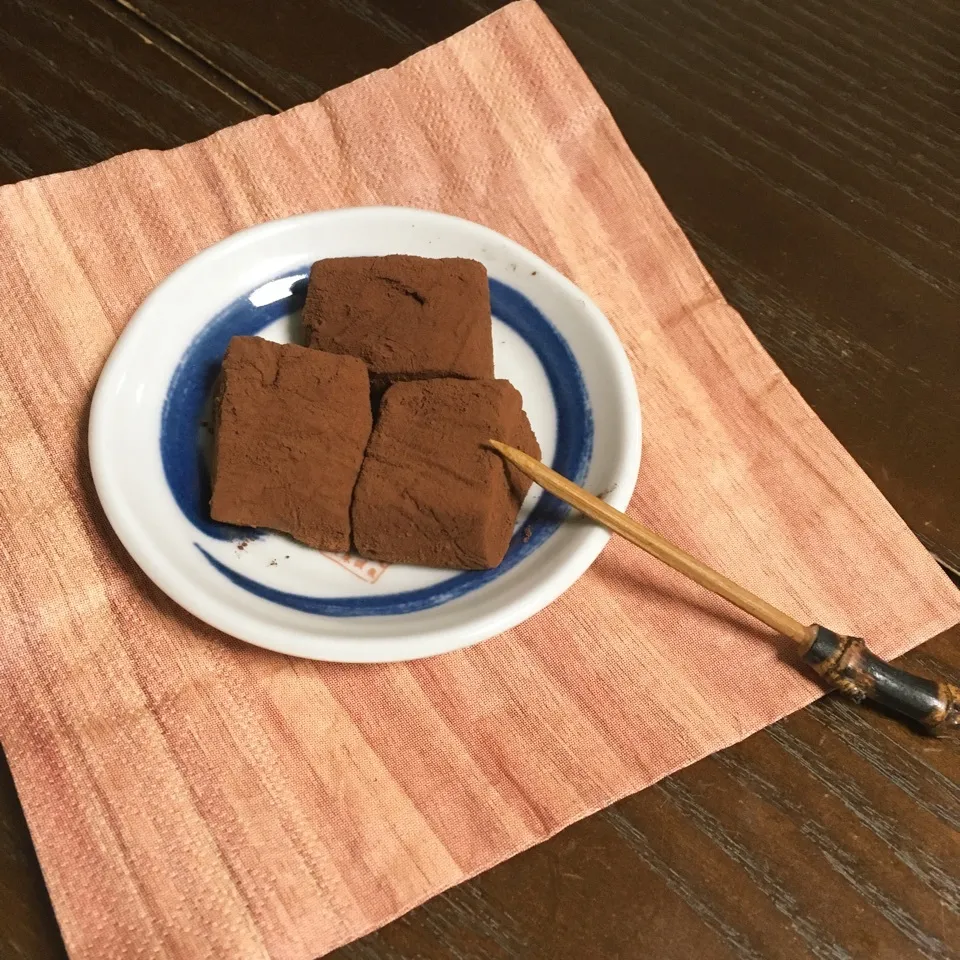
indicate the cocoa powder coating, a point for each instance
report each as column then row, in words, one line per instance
column 430, row 492
column 291, row 428
column 406, row 317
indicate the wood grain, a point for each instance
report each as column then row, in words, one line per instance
column 838, row 121
column 78, row 85
column 844, row 142
column 762, row 852
column 28, row 927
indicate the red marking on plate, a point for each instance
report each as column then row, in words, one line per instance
column 369, row 571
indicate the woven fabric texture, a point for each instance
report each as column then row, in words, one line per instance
column 194, row 797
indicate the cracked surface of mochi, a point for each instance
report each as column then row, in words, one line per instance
column 430, row 493
column 291, row 425
column 406, row 317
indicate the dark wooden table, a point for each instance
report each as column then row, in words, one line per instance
column 811, row 150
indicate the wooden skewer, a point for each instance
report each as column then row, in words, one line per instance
column 654, row 544
column 845, row 662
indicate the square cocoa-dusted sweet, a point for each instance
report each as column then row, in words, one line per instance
column 430, row 491
column 406, row 317
column 291, row 425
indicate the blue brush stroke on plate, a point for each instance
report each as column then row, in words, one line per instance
column 187, row 474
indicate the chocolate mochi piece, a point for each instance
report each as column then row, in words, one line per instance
column 406, row 317
column 291, row 425
column 430, row 492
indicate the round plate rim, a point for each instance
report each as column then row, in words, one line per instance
column 329, row 645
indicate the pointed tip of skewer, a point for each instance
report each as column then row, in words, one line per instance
column 518, row 458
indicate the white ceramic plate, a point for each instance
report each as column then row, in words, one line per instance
column 148, row 440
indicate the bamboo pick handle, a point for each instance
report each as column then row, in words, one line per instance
column 654, row 544
column 844, row 662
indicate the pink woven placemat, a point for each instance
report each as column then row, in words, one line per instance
column 190, row 796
